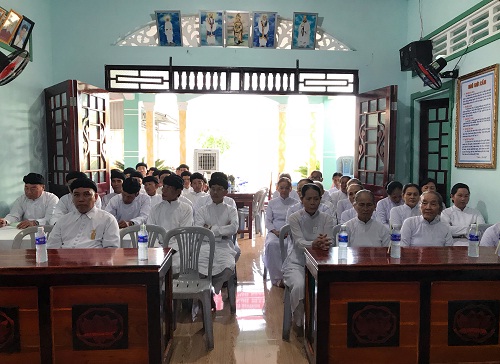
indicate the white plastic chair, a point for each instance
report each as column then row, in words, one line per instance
column 31, row 231
column 287, row 309
column 258, row 209
column 154, row 234
column 189, row 285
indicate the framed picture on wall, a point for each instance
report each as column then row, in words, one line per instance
column 237, row 29
column 23, row 33
column 264, row 29
column 168, row 23
column 211, row 28
column 477, row 119
column 304, row 30
column 9, row 26
column 3, row 14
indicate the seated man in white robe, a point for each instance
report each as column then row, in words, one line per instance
column 222, row 219
column 65, row 203
column 151, row 187
column 410, row 207
column 170, row 213
column 131, row 207
column 491, row 236
column 117, row 179
column 186, row 179
column 87, row 226
column 35, row 207
column 427, row 229
column 198, row 183
column 142, row 168
column 364, row 230
column 394, row 198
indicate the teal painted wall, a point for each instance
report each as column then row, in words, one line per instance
column 481, row 182
column 22, row 122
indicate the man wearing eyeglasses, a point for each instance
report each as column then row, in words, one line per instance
column 88, row 226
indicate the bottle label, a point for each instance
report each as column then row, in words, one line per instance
column 40, row 240
column 343, row 238
column 395, row 237
column 473, row 237
column 142, row 239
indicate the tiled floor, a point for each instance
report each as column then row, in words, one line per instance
column 253, row 335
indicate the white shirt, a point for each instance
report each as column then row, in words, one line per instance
column 155, row 200
column 417, row 231
column 185, row 200
column 369, row 234
column 332, row 190
column 223, row 220
column 193, row 196
column 400, row 213
column 383, row 210
column 276, row 213
column 95, row 229
column 207, row 200
column 66, row 205
column 305, row 229
column 491, row 236
column 460, row 220
column 343, row 205
column 336, row 197
column 40, row 209
column 137, row 211
column 106, row 198
column 170, row 215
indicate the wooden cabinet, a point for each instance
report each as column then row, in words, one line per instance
column 434, row 305
column 85, row 306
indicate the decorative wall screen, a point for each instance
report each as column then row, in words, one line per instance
column 241, row 80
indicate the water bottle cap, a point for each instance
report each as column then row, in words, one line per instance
column 40, row 229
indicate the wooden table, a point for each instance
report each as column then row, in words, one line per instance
column 434, row 305
column 242, row 200
column 85, row 306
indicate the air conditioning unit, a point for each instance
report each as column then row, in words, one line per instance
column 206, row 160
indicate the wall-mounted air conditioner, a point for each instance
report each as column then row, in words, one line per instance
column 206, row 161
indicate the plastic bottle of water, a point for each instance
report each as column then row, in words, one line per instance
column 473, row 236
column 41, row 245
column 142, row 243
column 396, row 242
column 343, row 240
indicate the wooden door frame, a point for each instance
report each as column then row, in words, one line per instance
column 448, row 91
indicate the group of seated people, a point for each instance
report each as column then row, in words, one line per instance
column 82, row 219
column 418, row 210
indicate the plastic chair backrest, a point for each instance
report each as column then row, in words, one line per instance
column 154, row 234
column 132, row 231
column 31, row 231
column 482, row 228
column 190, row 240
column 284, row 231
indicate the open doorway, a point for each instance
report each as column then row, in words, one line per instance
column 258, row 136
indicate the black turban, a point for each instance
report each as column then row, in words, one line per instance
column 131, row 185
column 75, row 174
column 174, row 181
column 149, row 179
column 117, row 174
column 83, row 183
column 34, row 179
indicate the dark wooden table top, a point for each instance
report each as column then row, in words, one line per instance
column 16, row 261
column 446, row 258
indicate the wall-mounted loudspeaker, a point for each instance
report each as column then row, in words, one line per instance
column 420, row 50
